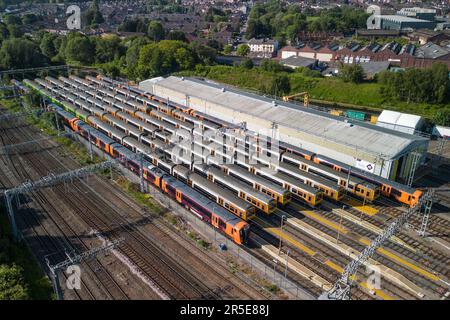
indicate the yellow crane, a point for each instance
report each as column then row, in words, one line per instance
column 304, row 94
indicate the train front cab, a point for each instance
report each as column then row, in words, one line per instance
column 401, row 196
column 239, row 232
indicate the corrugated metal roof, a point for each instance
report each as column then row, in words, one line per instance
column 399, row 119
column 260, row 113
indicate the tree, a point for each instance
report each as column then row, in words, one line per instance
column 156, row 31
column 4, row 32
column 79, row 48
column 279, row 85
column 441, row 82
column 417, row 85
column 20, row 53
column 214, row 44
column 108, row 49
column 205, row 54
column 185, row 58
column 442, row 117
column 13, row 19
column 227, row 49
column 352, row 73
column 247, row 63
column 15, row 30
column 271, row 66
column 47, row 45
column 243, row 50
column 93, row 15
column 177, row 35
column 12, row 285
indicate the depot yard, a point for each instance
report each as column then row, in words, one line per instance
column 324, row 219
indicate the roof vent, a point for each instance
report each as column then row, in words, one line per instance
column 182, row 78
column 223, row 89
column 274, row 103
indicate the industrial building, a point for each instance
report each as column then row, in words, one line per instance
column 398, row 22
column 378, row 150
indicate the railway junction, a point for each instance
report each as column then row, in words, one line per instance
column 285, row 185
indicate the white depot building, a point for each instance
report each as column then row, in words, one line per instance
column 380, row 150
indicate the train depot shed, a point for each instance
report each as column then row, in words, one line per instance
column 382, row 151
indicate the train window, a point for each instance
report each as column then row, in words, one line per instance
column 309, row 198
column 367, row 193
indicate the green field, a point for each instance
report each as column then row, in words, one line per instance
column 330, row 90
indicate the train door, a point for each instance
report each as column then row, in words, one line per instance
column 178, row 196
column 164, row 186
column 215, row 220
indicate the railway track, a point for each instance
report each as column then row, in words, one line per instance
column 190, row 281
column 423, row 254
column 103, row 283
column 438, row 288
column 183, row 244
column 313, row 262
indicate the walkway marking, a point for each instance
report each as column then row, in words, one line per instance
column 402, row 261
column 312, row 253
column 296, row 243
column 370, row 211
column 319, row 218
column 363, row 284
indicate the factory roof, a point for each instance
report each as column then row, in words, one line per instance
column 261, row 113
column 297, row 61
column 399, row 18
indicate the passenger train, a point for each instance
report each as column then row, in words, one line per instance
column 157, row 110
column 234, row 227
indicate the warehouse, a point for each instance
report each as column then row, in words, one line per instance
column 397, row 22
column 379, row 150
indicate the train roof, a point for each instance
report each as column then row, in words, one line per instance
column 284, row 167
column 368, row 175
column 131, row 119
column 122, row 124
column 63, row 112
column 138, row 145
column 115, row 132
column 236, row 184
column 254, row 178
column 215, row 190
column 327, row 170
column 224, row 215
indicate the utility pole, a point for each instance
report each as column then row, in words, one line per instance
column 90, row 145
column 281, row 232
column 141, row 171
column 56, row 269
column 412, row 170
column 428, row 203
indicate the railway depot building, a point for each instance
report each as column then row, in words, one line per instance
column 375, row 149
